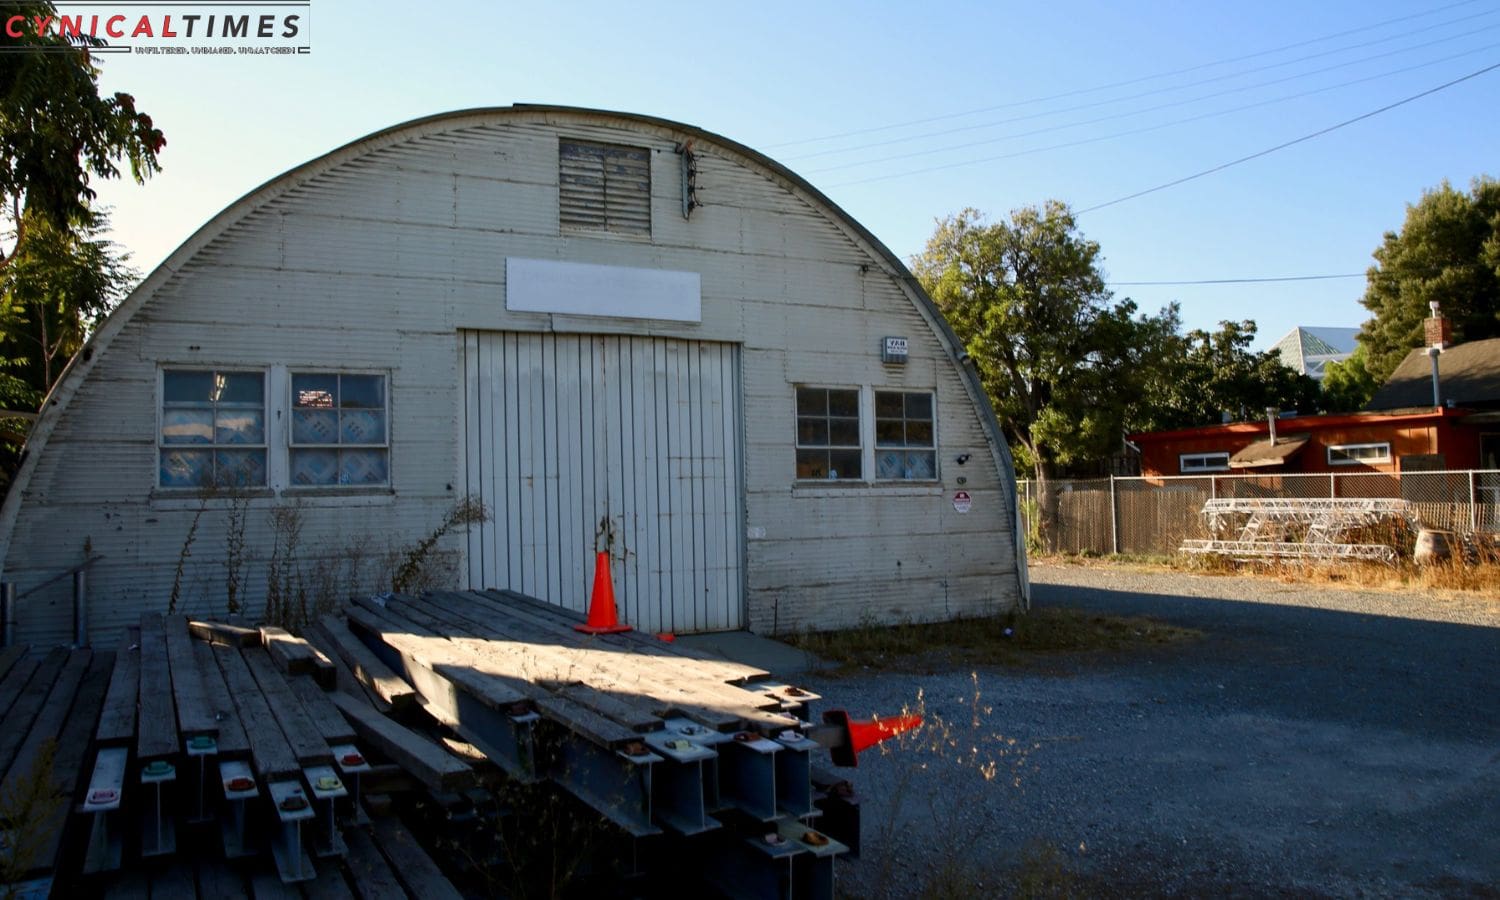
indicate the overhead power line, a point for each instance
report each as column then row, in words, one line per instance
column 1125, row 83
column 1237, row 280
column 1303, row 139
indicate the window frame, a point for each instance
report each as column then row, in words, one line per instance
column 1385, row 457
column 291, row 445
column 1182, row 460
column 797, row 446
column 875, row 444
column 267, row 430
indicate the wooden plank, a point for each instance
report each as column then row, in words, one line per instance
column 268, row 886
column 366, row 666
column 195, row 716
column 156, row 727
column 269, row 752
column 295, row 656
column 132, row 885
column 72, row 748
column 117, row 718
column 425, row 760
column 232, row 740
column 330, row 883
column 346, row 680
column 224, row 633
column 216, row 881
column 9, row 657
column 411, row 863
column 50, row 717
column 301, row 734
column 14, row 682
column 372, row 877
column 321, row 711
column 24, row 711
column 176, row 881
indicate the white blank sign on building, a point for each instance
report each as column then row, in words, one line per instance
column 585, row 289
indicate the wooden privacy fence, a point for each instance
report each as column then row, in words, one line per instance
column 1153, row 515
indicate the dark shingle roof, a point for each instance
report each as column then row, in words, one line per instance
column 1468, row 375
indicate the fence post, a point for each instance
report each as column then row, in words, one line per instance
column 1333, row 486
column 1213, row 487
column 1114, row 517
column 1473, row 506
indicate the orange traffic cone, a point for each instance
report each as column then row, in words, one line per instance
column 602, row 619
column 859, row 736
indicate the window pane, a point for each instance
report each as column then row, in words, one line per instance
column 812, row 463
column 362, row 467
column 843, row 464
column 919, row 406
column 812, row 402
column 181, row 386
column 315, row 426
column 843, row 403
column 921, row 466
column 321, row 391
column 362, row 391
column 918, row 434
column 240, row 468
column 843, row 432
column 186, row 468
column 187, row 426
column 889, row 464
column 887, row 405
column 240, row 388
column 240, row 426
column 315, row 467
column 889, row 433
column 362, row 426
column 812, row 432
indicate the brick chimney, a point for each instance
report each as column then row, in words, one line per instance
column 1439, row 331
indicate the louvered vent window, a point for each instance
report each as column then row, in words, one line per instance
column 604, row 187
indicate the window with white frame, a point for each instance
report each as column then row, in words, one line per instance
column 905, row 445
column 1189, row 463
column 213, row 429
column 340, row 434
column 604, row 187
column 1359, row 454
column 828, row 434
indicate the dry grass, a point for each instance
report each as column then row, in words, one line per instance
column 1012, row 640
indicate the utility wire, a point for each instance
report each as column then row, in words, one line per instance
column 1306, row 137
column 1147, row 128
column 1185, row 102
column 1125, row 83
column 1236, row 280
column 835, row 151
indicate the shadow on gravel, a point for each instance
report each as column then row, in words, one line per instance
column 1430, row 679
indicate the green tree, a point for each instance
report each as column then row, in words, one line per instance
column 1059, row 357
column 1348, row 385
column 1448, row 250
column 1202, row 375
column 57, row 132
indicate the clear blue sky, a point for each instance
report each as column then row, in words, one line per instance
column 779, row 76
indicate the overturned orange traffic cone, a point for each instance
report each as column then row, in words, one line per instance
column 602, row 619
column 859, row 736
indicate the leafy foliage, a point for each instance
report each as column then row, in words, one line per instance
column 1348, row 385
column 1059, row 357
column 1448, row 251
column 57, row 132
column 1204, row 374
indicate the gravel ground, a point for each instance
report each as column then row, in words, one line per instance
column 1315, row 742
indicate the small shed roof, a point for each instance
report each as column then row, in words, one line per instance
column 1266, row 452
column 1468, row 375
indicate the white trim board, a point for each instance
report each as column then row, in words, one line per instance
column 586, row 289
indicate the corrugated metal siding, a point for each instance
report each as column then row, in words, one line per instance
column 577, row 443
column 382, row 259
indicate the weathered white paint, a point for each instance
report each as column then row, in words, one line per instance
column 627, row 444
column 584, row 289
column 385, row 254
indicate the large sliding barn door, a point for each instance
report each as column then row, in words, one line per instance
column 578, row 442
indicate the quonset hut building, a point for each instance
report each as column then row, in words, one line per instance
column 613, row 330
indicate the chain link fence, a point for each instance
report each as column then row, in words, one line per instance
column 1154, row 515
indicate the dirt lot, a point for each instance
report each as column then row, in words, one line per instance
column 1315, row 742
